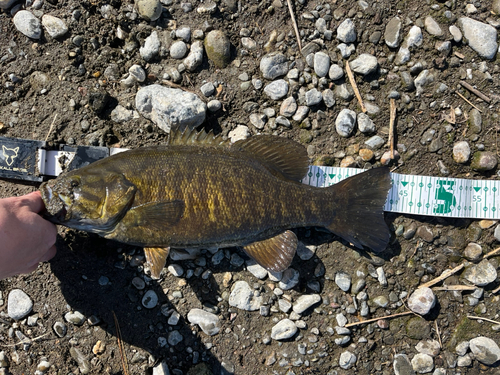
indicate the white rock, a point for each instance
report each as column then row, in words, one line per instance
column 151, row 47
column 345, row 122
column 347, row 360
column 54, row 26
column 19, row 304
column 422, row 301
column 481, row 274
column 432, row 27
column 485, row 350
column 321, row 64
column 178, row 50
column 283, row 330
column 422, row 363
column 256, row 269
column 461, row 152
column 276, row 90
column 208, row 322
column 161, row 369
column 195, row 56
column 481, row 37
column 243, row 298
column 306, row 301
column 346, row 32
column 239, row 133
column 429, row 347
column 150, row 299
column 364, row 64
column 28, row 24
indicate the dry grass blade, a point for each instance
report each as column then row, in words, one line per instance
column 392, row 121
column 354, row 86
column 438, row 333
column 51, row 127
column 468, row 101
column 492, row 252
column 295, row 27
column 485, row 319
column 443, row 276
column 496, row 290
column 27, row 341
column 120, row 346
column 376, row 319
column 455, row 287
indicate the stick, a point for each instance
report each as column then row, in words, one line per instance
column 51, row 127
column 492, row 252
column 392, row 120
column 495, row 290
column 464, row 98
column 475, row 91
column 438, row 334
column 297, row 34
column 375, row 319
column 486, row 319
column 354, row 86
column 455, row 287
column 27, row 341
column 120, row 345
column 443, row 276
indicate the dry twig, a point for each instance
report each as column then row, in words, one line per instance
column 354, row 86
column 297, row 34
column 392, row 121
column 120, row 345
column 28, row 340
column 376, row 319
column 494, row 291
column 475, row 91
column 485, row 319
column 443, row 276
column 455, row 287
column 438, row 334
column 467, row 100
column 51, row 127
column 492, row 252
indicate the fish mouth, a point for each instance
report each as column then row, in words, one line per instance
column 57, row 205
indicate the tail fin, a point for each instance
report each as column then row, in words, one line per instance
column 360, row 217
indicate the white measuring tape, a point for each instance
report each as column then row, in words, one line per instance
column 425, row 195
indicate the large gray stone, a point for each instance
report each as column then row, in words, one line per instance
column 485, row 350
column 28, row 24
column 481, row 37
column 168, row 107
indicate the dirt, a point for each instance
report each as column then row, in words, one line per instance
column 70, row 281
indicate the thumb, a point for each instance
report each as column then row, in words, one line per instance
column 33, row 201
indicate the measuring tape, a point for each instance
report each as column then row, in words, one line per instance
column 425, row 195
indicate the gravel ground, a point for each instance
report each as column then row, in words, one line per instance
column 121, row 74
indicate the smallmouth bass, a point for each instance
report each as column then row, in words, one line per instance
column 200, row 192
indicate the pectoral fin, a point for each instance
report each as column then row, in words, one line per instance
column 159, row 215
column 156, row 258
column 276, row 253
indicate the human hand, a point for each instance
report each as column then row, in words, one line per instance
column 26, row 239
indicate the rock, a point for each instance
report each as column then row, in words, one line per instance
column 429, row 347
column 150, row 299
column 464, row 360
column 162, row 369
column 137, row 72
column 402, row 365
column 168, row 107
column 481, row 37
column 422, row 363
column 174, row 338
column 432, row 27
column 258, row 120
column 456, row 33
column 60, row 329
column 256, row 269
column 422, row 301
column 475, row 121
column 151, row 47
column 485, row 350
column 150, row 10
column 375, row 142
column 461, row 152
column 335, row 72
column 462, row 348
column 218, row 48
column 364, row 64
column 481, row 274
column 240, row 132
column 19, row 304
column 178, row 50
column 484, row 161
column 304, row 302
column 75, row 317
column 321, row 64
column 473, row 251
column 301, row 113
column 424, row 78
column 328, row 98
column 344, row 124
column 343, row 281
column 242, row 297
column 288, row 107
column 414, row 38
column 313, row 97
column 392, row 35
column 121, row 114
column 346, row 32
column 28, row 24
column 365, row 123
column 54, row 26
column 276, row 90
column 195, row 56
column 83, row 362
column 274, row 65
column 344, row 92
column 283, row 330
column 184, row 33
column 290, row 279
column 208, row 322
column 6, row 4
column 347, row 360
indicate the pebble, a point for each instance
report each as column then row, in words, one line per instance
column 207, row 89
column 343, row 281
column 168, row 107
column 284, row 330
column 456, row 33
column 481, row 37
column 422, row 301
column 243, row 297
column 290, row 279
column 473, row 251
column 304, row 302
column 301, row 113
column 176, row 270
column 218, row 48
column 485, row 350
column 321, row 64
column 274, row 65
column 149, row 9
column 414, row 38
column 174, row 318
column 429, row 347
column 256, row 269
column 347, row 360
column 462, row 348
column 83, row 362
column 276, row 90
column 178, row 50
column 335, row 72
column 423, row 79
column 60, row 329
column 239, row 133
column 174, row 338
column 288, row 107
column 365, row 123
column 346, row 50
column 313, row 97
column 364, row 64
column 328, row 98
column 464, row 360
column 208, row 322
column 422, row 363
column 183, row 33
column 375, row 142
column 432, row 27
column 54, row 26
column 346, row 31
column 151, row 47
column 484, row 161
column 161, row 369
column 402, row 365
column 121, row 114
column 28, row 24
column 19, row 304
column 195, row 56
column 392, row 35
column 258, row 120
column 214, row 105
column 481, row 274
column 461, row 152
column 150, row 299
column 6, row 4
column 345, row 121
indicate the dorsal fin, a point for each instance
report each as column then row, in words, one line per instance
column 193, row 137
column 278, row 154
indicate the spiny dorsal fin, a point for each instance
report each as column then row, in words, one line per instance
column 156, row 258
column 280, row 154
column 276, row 253
column 193, row 137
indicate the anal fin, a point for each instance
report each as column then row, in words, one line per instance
column 156, row 258
column 276, row 253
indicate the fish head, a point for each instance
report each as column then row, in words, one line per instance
column 89, row 200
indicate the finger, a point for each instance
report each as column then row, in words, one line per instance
column 49, row 254
column 33, row 201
